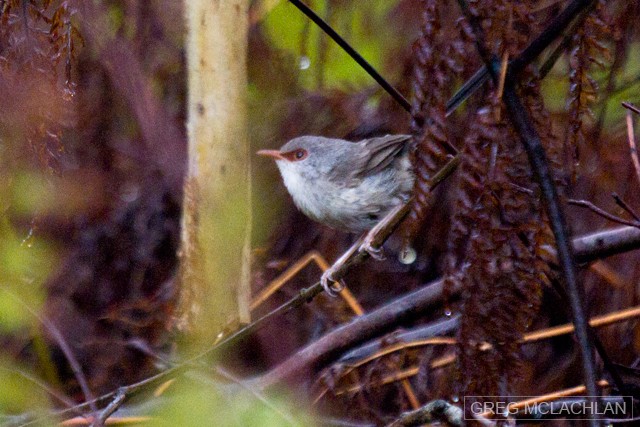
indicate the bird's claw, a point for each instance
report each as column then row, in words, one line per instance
column 376, row 253
column 331, row 287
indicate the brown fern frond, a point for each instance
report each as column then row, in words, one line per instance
column 437, row 59
column 588, row 51
column 495, row 241
column 498, row 227
column 509, row 25
column 37, row 51
column 546, row 127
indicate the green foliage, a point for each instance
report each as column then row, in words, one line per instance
column 321, row 62
column 24, row 265
column 202, row 403
column 20, row 392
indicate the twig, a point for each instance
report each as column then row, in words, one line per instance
column 531, row 52
column 530, row 337
column 437, row 410
column 359, row 330
column 229, row 376
column 632, row 141
column 57, row 336
column 553, row 57
column 503, row 74
column 291, row 271
column 608, row 274
column 400, row 346
column 625, row 206
column 606, row 243
column 555, row 28
column 551, row 396
column 630, row 106
column 435, row 329
column 602, row 212
column 117, row 401
column 622, row 420
column 467, row 89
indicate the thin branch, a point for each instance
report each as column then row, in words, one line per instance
column 556, row 27
column 608, row 274
column 113, row 406
column 467, row 89
column 606, row 243
column 422, row 337
column 435, row 329
column 59, row 339
column 290, row 272
column 630, row 106
column 632, row 142
column 625, row 206
column 353, row 53
column 587, row 204
column 259, row 397
column 359, row 330
column 553, row 57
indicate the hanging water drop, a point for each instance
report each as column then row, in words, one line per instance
column 304, row 62
column 407, row 255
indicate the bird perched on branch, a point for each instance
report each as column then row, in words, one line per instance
column 346, row 185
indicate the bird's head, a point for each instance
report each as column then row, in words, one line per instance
column 306, row 157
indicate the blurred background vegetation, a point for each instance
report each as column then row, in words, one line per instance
column 93, row 103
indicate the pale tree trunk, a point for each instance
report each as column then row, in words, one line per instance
column 216, row 223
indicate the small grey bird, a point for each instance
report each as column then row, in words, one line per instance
column 346, row 185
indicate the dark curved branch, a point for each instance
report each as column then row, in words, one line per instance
column 359, row 330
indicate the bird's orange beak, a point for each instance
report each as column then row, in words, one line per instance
column 271, row 153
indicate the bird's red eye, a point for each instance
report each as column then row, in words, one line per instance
column 296, row 155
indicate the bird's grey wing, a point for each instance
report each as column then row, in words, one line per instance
column 368, row 157
column 382, row 151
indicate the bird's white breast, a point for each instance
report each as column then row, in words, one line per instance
column 352, row 208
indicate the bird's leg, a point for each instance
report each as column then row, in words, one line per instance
column 331, row 286
column 375, row 253
column 390, row 220
column 370, row 243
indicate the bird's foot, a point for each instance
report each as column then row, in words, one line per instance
column 331, row 287
column 376, row 253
